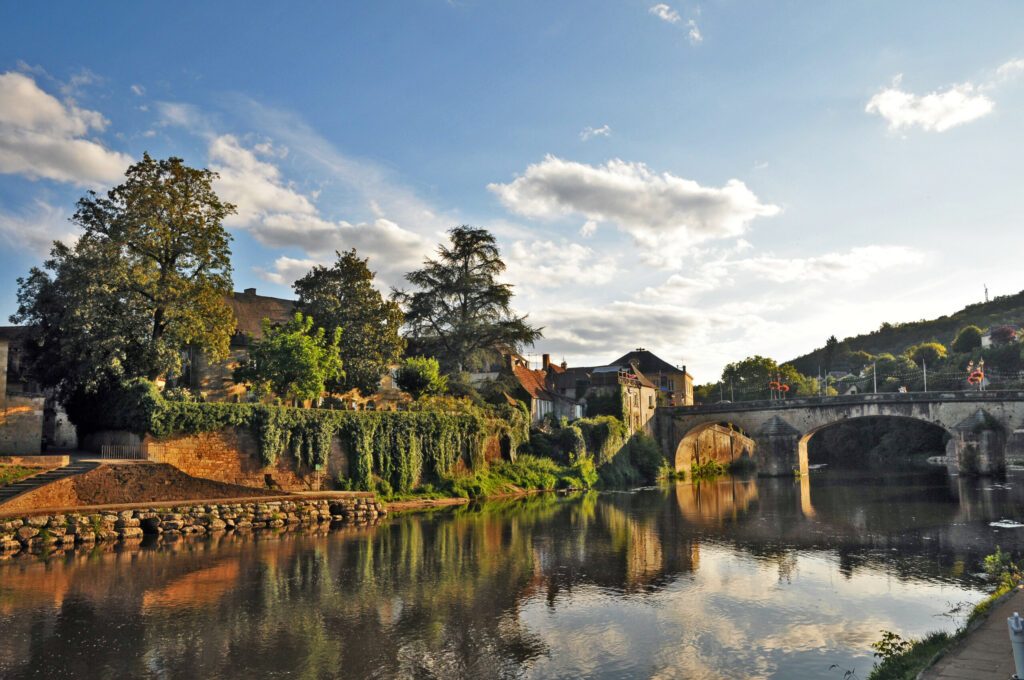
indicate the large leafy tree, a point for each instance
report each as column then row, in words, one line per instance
column 750, row 378
column 293, row 361
column 147, row 278
column 343, row 297
column 459, row 308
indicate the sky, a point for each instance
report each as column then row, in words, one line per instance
column 706, row 180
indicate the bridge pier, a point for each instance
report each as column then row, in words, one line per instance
column 779, row 449
column 978, row 445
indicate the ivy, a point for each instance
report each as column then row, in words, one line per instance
column 399, row 448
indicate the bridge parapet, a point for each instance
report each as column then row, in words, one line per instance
column 781, row 429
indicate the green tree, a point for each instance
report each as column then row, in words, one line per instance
column 929, row 353
column 293, row 361
column 749, row 378
column 831, row 346
column 343, row 297
column 147, row 278
column 421, row 376
column 968, row 338
column 459, row 307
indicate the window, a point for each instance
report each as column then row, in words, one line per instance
column 650, row 401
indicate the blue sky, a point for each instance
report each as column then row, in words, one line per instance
column 707, row 180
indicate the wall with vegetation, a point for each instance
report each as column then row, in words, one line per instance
column 400, row 449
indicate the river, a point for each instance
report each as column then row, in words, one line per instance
column 733, row 578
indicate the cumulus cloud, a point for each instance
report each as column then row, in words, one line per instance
column 278, row 215
column 36, row 229
column 287, row 270
column 588, row 132
column 664, row 214
column 933, row 112
column 43, row 137
column 665, row 13
column 1009, row 70
column 588, row 229
column 546, row 264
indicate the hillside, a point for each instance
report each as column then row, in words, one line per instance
column 895, row 338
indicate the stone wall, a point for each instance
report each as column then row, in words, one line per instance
column 233, row 456
column 21, row 424
column 712, row 443
column 36, row 533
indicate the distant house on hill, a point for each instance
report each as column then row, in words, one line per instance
column 674, row 384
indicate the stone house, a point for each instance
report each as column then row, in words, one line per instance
column 537, row 388
column 214, row 379
column 674, row 385
column 22, row 404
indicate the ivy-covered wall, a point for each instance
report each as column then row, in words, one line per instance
column 401, row 448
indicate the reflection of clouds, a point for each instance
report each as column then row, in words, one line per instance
column 736, row 618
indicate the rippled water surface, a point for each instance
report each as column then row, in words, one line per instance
column 728, row 579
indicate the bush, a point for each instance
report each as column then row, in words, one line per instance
column 421, row 376
column 646, row 456
column 967, row 338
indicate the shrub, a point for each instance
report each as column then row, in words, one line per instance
column 967, row 338
column 421, row 376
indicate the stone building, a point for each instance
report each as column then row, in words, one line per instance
column 537, row 388
column 21, row 407
column 674, row 384
column 214, row 379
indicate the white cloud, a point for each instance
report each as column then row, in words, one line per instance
column 933, row 112
column 546, row 264
column 36, row 230
column 665, row 13
column 857, row 264
column 42, row 137
column 138, row 90
column 278, row 215
column 693, row 32
column 665, row 214
column 1008, row 71
column 588, row 229
column 288, row 269
column 588, row 132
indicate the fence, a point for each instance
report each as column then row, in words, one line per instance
column 122, row 451
column 920, row 380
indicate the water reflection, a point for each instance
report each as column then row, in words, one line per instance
column 730, row 578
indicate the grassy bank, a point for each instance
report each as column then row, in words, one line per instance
column 9, row 474
column 904, row 659
column 503, row 478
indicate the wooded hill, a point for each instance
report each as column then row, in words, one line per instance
column 895, row 338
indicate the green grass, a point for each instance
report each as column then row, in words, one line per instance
column 707, row 470
column 9, row 474
column 527, row 473
column 907, row 665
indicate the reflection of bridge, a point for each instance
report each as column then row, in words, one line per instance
column 980, row 425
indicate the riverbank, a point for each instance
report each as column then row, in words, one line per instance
column 63, row 528
column 979, row 648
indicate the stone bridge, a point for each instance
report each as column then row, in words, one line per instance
column 982, row 426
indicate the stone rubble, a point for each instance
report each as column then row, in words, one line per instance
column 35, row 533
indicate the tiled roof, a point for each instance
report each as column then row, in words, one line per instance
column 648, row 362
column 532, row 382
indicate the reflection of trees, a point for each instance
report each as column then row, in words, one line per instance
column 426, row 596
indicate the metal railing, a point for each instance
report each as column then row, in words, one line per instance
column 122, row 451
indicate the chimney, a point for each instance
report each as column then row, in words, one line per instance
column 545, row 361
column 250, row 291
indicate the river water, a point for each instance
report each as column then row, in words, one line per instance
column 733, row 578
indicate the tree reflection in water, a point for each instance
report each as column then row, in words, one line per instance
column 654, row 581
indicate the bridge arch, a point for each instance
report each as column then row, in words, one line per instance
column 803, row 444
column 719, row 441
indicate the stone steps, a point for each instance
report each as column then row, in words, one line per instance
column 35, row 481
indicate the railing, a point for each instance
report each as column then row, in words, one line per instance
column 122, row 451
column 849, row 400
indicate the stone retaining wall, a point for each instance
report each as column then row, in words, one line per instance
column 43, row 531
